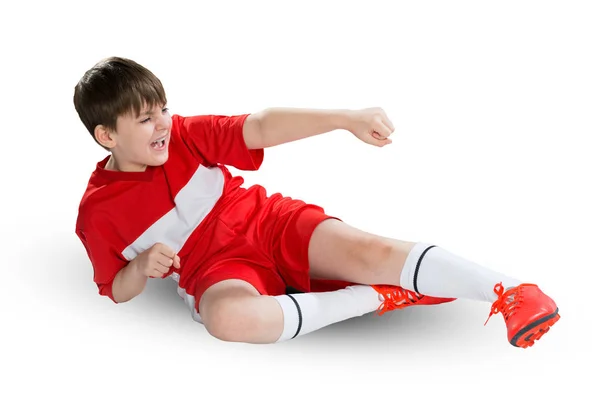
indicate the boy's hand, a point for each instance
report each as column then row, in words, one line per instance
column 371, row 125
column 157, row 260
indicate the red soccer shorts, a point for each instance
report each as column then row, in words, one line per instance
column 261, row 240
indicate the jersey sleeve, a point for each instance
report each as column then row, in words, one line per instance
column 106, row 260
column 218, row 139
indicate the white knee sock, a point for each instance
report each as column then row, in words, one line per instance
column 306, row 312
column 433, row 271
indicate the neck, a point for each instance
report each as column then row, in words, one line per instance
column 110, row 165
column 113, row 165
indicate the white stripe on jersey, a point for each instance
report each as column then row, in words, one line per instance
column 193, row 202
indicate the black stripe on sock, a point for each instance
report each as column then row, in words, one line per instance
column 292, row 290
column 299, row 315
column 418, row 266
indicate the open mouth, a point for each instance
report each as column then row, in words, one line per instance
column 159, row 144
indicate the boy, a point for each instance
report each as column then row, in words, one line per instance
column 253, row 268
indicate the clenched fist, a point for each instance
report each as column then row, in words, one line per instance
column 371, row 125
column 156, row 261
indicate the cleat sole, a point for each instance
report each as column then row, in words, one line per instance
column 527, row 336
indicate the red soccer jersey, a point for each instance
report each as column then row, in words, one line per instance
column 122, row 214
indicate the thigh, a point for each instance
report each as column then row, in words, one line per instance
column 340, row 251
column 290, row 250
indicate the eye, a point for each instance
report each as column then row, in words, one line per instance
column 164, row 110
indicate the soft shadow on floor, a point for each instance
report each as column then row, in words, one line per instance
column 69, row 283
column 60, row 271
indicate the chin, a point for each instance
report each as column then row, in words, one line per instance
column 158, row 161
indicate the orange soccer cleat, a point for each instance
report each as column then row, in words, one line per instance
column 527, row 311
column 396, row 297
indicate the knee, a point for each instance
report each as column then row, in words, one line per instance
column 225, row 319
column 372, row 251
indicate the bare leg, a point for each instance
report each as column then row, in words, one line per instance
column 234, row 311
column 340, row 251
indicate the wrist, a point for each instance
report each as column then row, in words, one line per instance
column 129, row 282
column 342, row 119
column 136, row 268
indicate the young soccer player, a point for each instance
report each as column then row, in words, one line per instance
column 253, row 268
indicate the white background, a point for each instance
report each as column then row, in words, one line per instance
column 495, row 157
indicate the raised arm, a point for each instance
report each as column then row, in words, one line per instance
column 275, row 126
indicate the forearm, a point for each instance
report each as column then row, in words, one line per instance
column 128, row 283
column 283, row 125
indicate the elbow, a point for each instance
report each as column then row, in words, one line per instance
column 116, row 292
column 116, row 298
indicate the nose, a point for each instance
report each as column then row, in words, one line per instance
column 163, row 123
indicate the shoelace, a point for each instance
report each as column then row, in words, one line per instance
column 508, row 302
column 394, row 296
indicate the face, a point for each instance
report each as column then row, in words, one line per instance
column 139, row 142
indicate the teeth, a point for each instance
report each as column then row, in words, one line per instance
column 159, row 142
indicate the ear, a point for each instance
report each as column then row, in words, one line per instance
column 104, row 136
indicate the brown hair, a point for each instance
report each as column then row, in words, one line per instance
column 113, row 87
